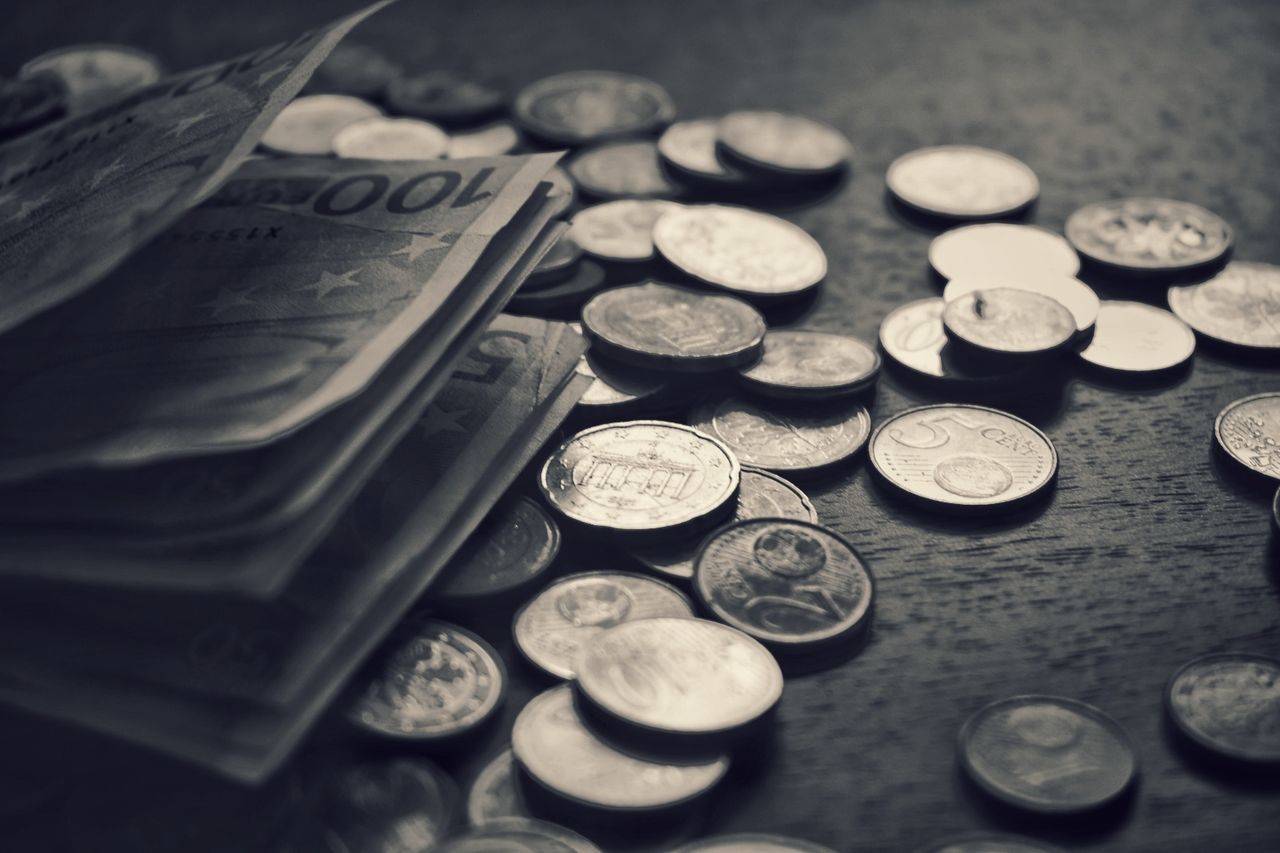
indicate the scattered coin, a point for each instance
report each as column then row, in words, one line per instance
column 1240, row 305
column 444, row 97
column 802, row 364
column 495, row 793
column 642, row 477
column 962, row 182
column 679, row 676
column 1008, row 322
column 688, row 148
column 782, row 144
column 615, row 390
column 562, row 295
column 1133, row 337
column 554, row 626
column 1148, row 235
column 390, row 139
column 400, row 804
column 307, row 125
column 492, row 141
column 589, row 106
column 790, row 584
column 355, row 69
column 627, row 169
column 913, row 337
column 1229, row 703
column 663, row 326
column 795, row 442
column 30, row 102
column 518, row 835
column 751, row 842
column 963, row 457
column 1000, row 249
column 983, row 842
column 750, row 253
column 620, row 230
column 1047, row 754
column 1248, row 430
column 557, row 264
column 1074, row 295
column 96, row 74
column 512, row 547
column 560, row 753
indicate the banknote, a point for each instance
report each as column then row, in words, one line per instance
column 79, row 196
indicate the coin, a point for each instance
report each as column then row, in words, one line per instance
column 307, row 125
column 641, row 477
column 1000, row 249
column 557, row 264
column 559, row 295
column 984, row 842
column 445, row 97
column 400, row 804
column 1248, row 430
column 492, row 141
column 751, row 842
column 1074, row 295
column 437, row 682
column 1240, row 305
column 796, row 442
column 761, row 495
column 513, row 546
column 913, row 337
column 963, row 457
column 518, row 835
column 28, row 103
column 554, row 626
column 788, row 145
column 627, row 169
column 620, row 230
column 1005, row 321
column 495, row 793
column 962, row 182
column 1148, row 235
column 750, row 253
column 560, row 753
column 390, row 139
column 96, row 74
column 1133, row 337
column 664, row 326
column 1229, row 703
column 802, row 364
column 588, row 106
column 1047, row 754
column 790, row 584
column 355, row 69
column 689, row 149
column 614, row 390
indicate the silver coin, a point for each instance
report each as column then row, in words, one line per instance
column 1074, row 295
column 495, row 793
column 751, row 842
column 1047, row 754
column 556, row 265
column 783, row 143
column 518, row 835
column 664, row 326
column 390, row 139
column 689, row 148
column 614, row 390
column 1133, row 337
column 400, row 804
column 626, row 169
column 963, row 457
column 96, row 74
column 588, row 106
column 962, row 182
column 442, row 96
column 307, row 125
column 620, row 230
column 998, row 248
column 515, row 544
column 1249, row 431
column 679, row 676
column 1005, row 321
column 913, row 337
column 802, row 364
column 558, row 751
column 761, row 495
column 747, row 252
column 554, row 626
column 642, row 477
column 795, row 442
column 1229, row 703
column 790, row 584
column 1148, row 235
column 492, row 141
column 985, row 842
column 1240, row 305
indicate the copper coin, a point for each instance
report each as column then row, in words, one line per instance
column 588, row 106
column 1074, row 295
column 998, row 248
column 515, row 544
column 801, row 364
column 1149, row 235
column 913, row 337
column 1133, row 337
column 1005, row 321
column 962, row 182
column 626, row 169
column 390, row 139
column 1248, row 430
column 1239, row 306
column 1229, row 703
column 789, row 145
column 620, row 231
column 307, row 125
column 797, row 442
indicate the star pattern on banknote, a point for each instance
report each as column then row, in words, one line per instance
column 328, row 282
column 228, row 299
column 420, row 244
column 266, row 76
column 106, row 171
column 439, row 419
column 182, row 125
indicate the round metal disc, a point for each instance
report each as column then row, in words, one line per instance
column 797, row 442
column 307, row 125
column 962, row 182
column 588, row 106
column 96, row 74
column 516, row 542
column 518, row 835
column 751, row 842
column 354, row 69
column 443, row 96
column 783, row 143
column 560, row 262
column 1239, row 306
column 1249, row 431
column 620, row 231
column 689, row 148
column 626, row 169
column 913, row 337
column 614, row 390
column 495, row 793
column 1005, row 321
column 1133, row 337
column 1073, row 294
column 801, row 364
column 587, row 280
column 1149, row 235
column 1229, row 703
column 390, row 139
column 1000, row 249
column 492, row 141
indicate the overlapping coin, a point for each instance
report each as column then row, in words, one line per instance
column 556, row 265
column 798, row 442
column 1229, row 703
column 390, row 139
column 620, row 231
column 802, row 364
column 688, row 148
column 625, row 169
column 1073, row 294
column 1248, row 430
column 96, row 74
column 1134, row 338
column 444, row 97
column 307, row 125
column 1149, row 235
column 1006, row 322
column 586, row 279
column 492, row 141
column 589, row 106
column 1239, row 306
column 962, row 182
column 512, row 547
column 782, row 145
column 999, row 249
column 517, row 835
column 913, row 338
column 615, row 390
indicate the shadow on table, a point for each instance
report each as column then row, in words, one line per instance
column 1077, row 827
column 1239, row 777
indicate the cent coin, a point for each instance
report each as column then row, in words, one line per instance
column 587, row 106
column 1007, row 322
column 963, row 457
column 1240, row 305
column 750, row 253
column 751, row 842
column 790, row 584
column 983, row 842
column 445, row 97
column 1148, row 235
column 1248, row 430
column 1047, row 754
column 620, row 230
column 679, row 676
column 518, row 835
column 783, row 144
column 795, row 442
column 30, row 102
column 557, row 264
column 1133, row 337
column 492, row 141
column 913, row 337
column 1073, row 294
column 554, row 626
column 615, row 390
column 664, row 326
column 1229, row 703
column 390, row 139
column 307, row 125
column 689, row 149
column 1000, row 249
column 495, row 793
column 512, row 547
column 802, row 364
column 628, row 169
column 96, row 74
column 397, row 804
column 962, row 182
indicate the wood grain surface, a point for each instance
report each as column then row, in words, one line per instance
column 1149, row 551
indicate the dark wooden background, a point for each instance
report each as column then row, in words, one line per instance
column 1148, row 553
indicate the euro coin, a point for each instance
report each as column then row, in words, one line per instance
column 492, row 141
column 620, row 231
column 1248, row 431
column 1000, row 249
column 517, row 835
column 1149, row 235
column 96, row 74
column 913, row 338
column 30, row 102
column 626, row 169
column 1133, row 337
column 801, row 441
column 307, row 125
column 751, row 842
column 514, row 545
column 1005, row 322
column 1238, row 306
column 688, row 148
column 1073, row 294
column 495, row 793
column 579, row 107
column 782, row 144
column 1229, row 703
column 390, row 139
column 444, row 97
column 962, row 182
column 802, row 364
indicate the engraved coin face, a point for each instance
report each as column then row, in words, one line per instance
column 638, row 476
column 96, row 74
column 750, row 253
column 554, row 747
column 614, row 389
column 998, row 248
column 563, row 193
column 983, row 842
column 959, row 456
column 1072, row 293
column 515, row 543
column 627, row 169
column 761, row 495
column 690, row 148
column 802, row 364
column 1047, row 754
column 553, row 627
column 784, row 143
column 751, row 842
column 444, row 96
column 1229, row 703
column 962, row 182
column 518, row 835
column 390, row 139
column 659, row 326
column 1249, row 431
column 795, row 442
column 495, row 793
column 685, row 676
column 438, row 681
column 1134, row 337
column 1007, row 321
column 400, row 804
column 620, row 230
column 307, row 125
column 492, row 141
column 1240, row 305
column 588, row 106
column 1148, row 234
column 789, row 584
